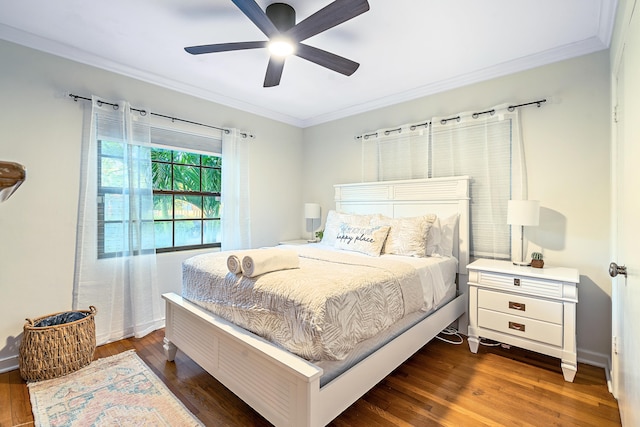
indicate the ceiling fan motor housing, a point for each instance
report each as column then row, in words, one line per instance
column 282, row 15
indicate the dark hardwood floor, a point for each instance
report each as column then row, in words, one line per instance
column 442, row 384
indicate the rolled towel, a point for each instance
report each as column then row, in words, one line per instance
column 267, row 260
column 234, row 264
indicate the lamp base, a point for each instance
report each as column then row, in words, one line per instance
column 522, row 263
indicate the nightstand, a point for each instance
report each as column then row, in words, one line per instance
column 532, row 308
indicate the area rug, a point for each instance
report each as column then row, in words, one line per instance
column 115, row 391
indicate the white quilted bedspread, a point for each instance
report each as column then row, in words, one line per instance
column 319, row 311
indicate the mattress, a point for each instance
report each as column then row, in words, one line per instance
column 331, row 369
column 397, row 287
column 438, row 279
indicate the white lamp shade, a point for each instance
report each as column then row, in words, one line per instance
column 311, row 210
column 523, row 212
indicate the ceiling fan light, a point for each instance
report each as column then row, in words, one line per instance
column 281, row 47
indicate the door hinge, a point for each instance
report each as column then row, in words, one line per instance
column 614, row 343
column 615, row 114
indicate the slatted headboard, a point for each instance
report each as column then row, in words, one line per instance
column 406, row 198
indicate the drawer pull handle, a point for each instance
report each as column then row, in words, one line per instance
column 517, row 306
column 517, row 326
column 516, row 282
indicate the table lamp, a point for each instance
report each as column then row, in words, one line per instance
column 523, row 213
column 312, row 212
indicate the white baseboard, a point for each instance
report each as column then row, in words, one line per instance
column 12, row 362
column 600, row 360
column 594, row 359
column 584, row 356
column 8, row 364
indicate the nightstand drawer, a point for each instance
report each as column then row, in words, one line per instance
column 517, row 283
column 519, row 305
column 530, row 329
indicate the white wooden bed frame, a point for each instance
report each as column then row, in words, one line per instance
column 285, row 388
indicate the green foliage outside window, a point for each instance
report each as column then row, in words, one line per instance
column 186, row 199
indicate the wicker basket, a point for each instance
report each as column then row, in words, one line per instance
column 57, row 344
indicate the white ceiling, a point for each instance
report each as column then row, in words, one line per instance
column 406, row 48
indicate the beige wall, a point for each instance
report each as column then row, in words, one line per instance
column 42, row 129
column 567, row 144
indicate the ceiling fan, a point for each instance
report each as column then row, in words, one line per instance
column 278, row 23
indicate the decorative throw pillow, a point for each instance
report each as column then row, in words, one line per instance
column 334, row 219
column 367, row 240
column 407, row 236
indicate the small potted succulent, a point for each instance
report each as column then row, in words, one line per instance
column 536, row 260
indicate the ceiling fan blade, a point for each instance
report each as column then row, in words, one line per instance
column 257, row 16
column 328, row 17
column 224, row 47
column 327, row 59
column 274, row 71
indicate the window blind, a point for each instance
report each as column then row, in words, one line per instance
column 487, row 147
column 210, row 144
column 482, row 150
column 395, row 154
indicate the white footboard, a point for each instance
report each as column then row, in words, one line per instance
column 282, row 387
column 277, row 384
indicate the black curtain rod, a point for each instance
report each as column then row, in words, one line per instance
column 490, row 112
column 144, row 113
column 456, row 118
column 425, row 124
column 445, row 121
column 538, row 103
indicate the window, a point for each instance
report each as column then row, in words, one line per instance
column 488, row 148
column 186, row 192
column 401, row 153
column 482, row 150
column 116, row 234
column 186, row 199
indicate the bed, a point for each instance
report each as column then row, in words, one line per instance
column 289, row 390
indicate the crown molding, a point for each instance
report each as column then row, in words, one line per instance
column 74, row 54
column 573, row 50
column 590, row 45
column 607, row 21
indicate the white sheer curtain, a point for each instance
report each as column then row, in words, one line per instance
column 488, row 148
column 123, row 285
column 398, row 153
column 236, row 212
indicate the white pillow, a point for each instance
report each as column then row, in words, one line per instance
column 447, row 234
column 433, row 238
column 367, row 240
column 334, row 219
column 407, row 236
